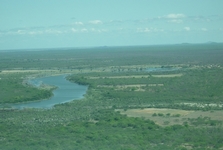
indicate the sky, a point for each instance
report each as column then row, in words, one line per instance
column 26, row 24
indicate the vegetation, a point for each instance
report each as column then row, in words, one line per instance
column 13, row 89
column 184, row 104
column 200, row 85
column 164, row 117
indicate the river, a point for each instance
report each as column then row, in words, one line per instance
column 65, row 92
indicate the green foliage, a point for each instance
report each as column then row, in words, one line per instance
column 160, row 114
column 106, row 129
column 154, row 115
column 176, row 115
column 195, row 86
column 13, row 90
column 204, row 121
column 168, row 114
column 74, row 58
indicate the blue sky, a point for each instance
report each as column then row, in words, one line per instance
column 76, row 23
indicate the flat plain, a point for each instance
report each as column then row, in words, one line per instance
column 138, row 97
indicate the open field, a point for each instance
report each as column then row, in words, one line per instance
column 121, row 77
column 168, row 75
column 139, row 76
column 167, row 117
column 134, row 87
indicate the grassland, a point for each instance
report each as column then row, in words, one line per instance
column 125, row 107
column 139, row 76
column 167, row 117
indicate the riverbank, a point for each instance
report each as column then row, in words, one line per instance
column 65, row 92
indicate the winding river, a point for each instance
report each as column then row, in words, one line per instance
column 65, row 92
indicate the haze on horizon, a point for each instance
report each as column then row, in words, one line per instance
column 55, row 23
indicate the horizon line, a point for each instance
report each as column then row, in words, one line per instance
column 104, row 46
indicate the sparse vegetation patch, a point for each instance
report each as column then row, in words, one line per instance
column 175, row 116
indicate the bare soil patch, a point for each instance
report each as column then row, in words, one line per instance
column 139, row 76
column 120, row 77
column 165, row 117
column 168, row 75
column 132, row 87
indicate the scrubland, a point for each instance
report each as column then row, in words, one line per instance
column 126, row 106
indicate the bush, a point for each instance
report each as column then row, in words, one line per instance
column 160, row 114
column 176, row 115
column 154, row 115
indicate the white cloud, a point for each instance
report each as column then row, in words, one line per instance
column 118, row 21
column 96, row 22
column 74, row 30
column 20, row 32
column 79, row 23
column 104, row 30
column 53, row 31
column 187, row 28
column 142, row 30
column 175, row 16
column 35, row 32
column 84, row 30
column 176, row 21
column 204, row 29
column 95, row 30
column 147, row 30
